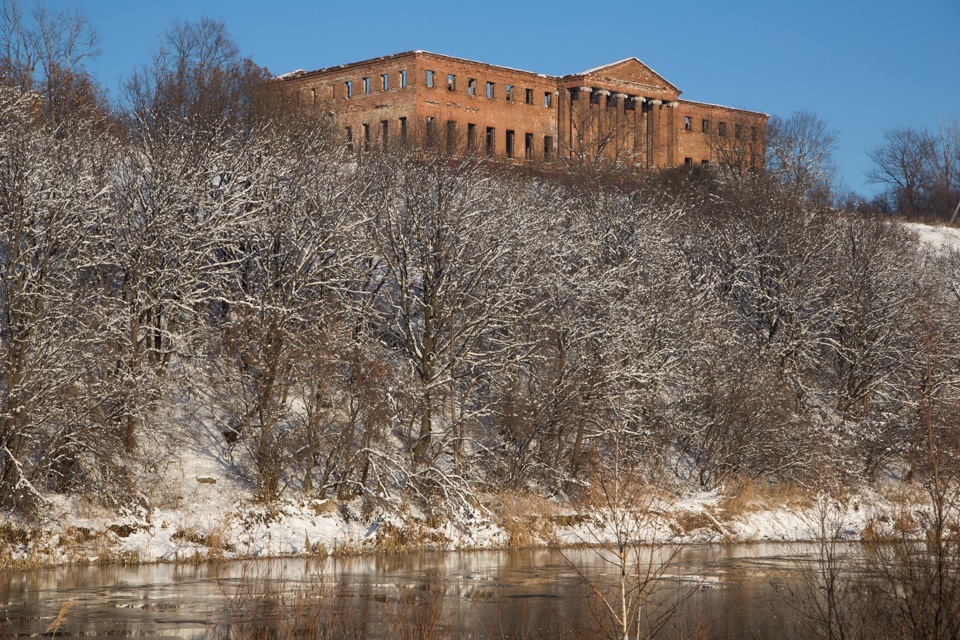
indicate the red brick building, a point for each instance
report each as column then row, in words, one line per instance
column 622, row 113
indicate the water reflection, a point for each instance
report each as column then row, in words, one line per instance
column 531, row 594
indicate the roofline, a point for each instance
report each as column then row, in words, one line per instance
column 301, row 73
column 723, row 106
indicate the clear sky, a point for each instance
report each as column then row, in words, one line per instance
column 862, row 65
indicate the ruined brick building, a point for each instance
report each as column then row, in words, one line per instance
column 622, row 113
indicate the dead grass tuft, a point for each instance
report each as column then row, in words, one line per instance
column 744, row 495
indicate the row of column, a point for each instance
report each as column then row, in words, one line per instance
column 650, row 119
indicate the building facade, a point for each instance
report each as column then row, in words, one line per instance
column 623, row 113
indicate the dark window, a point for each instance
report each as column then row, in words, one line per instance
column 594, row 97
column 385, row 82
column 704, row 162
column 722, row 129
column 366, row 136
column 431, row 131
column 471, row 137
column 491, row 141
column 704, row 126
column 313, row 95
column 547, row 99
column 738, row 131
column 528, row 146
column 509, row 148
column 688, row 125
column 430, row 78
column 547, row 148
column 688, row 161
column 384, row 132
column 471, row 86
column 451, row 82
column 403, row 130
column 630, row 104
column 491, row 90
column 349, row 137
column 451, row 135
column 753, row 133
column 529, row 96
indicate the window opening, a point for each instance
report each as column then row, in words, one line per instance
column 491, row 141
column 529, row 96
column 547, row 99
column 431, row 131
column 688, row 124
column 509, row 148
column 547, row 148
column 385, row 82
column 403, row 78
column 509, row 93
column 366, row 136
column 528, row 146
column 491, row 90
column 349, row 85
column 451, row 82
column 471, row 86
column 366, row 85
column 384, row 132
column 349, row 137
column 403, row 130
column 451, row 135
column 704, row 126
column 471, row 137
column 430, row 79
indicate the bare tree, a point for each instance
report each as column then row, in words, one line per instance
column 800, row 153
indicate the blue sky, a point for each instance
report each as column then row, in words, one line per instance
column 863, row 66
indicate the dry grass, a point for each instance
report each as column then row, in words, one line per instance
column 528, row 519
column 747, row 495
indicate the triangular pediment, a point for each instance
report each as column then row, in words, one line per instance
column 630, row 70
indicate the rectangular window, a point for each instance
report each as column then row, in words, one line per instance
column 451, row 82
column 722, row 129
column 430, row 79
column 738, row 131
column 451, row 135
column 349, row 87
column 491, row 90
column 403, row 78
column 313, row 95
column 547, row 148
column 509, row 93
column 688, row 123
column 704, row 162
column 349, row 138
column 528, row 146
column 384, row 133
column 471, row 137
column 753, row 133
column 431, row 131
column 471, row 86
column 509, row 147
column 403, row 130
column 529, row 96
column 630, row 103
column 594, row 97
column 547, row 99
column 366, row 85
column 366, row 136
column 704, row 126
column 385, row 82
column 491, row 141
column 688, row 161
